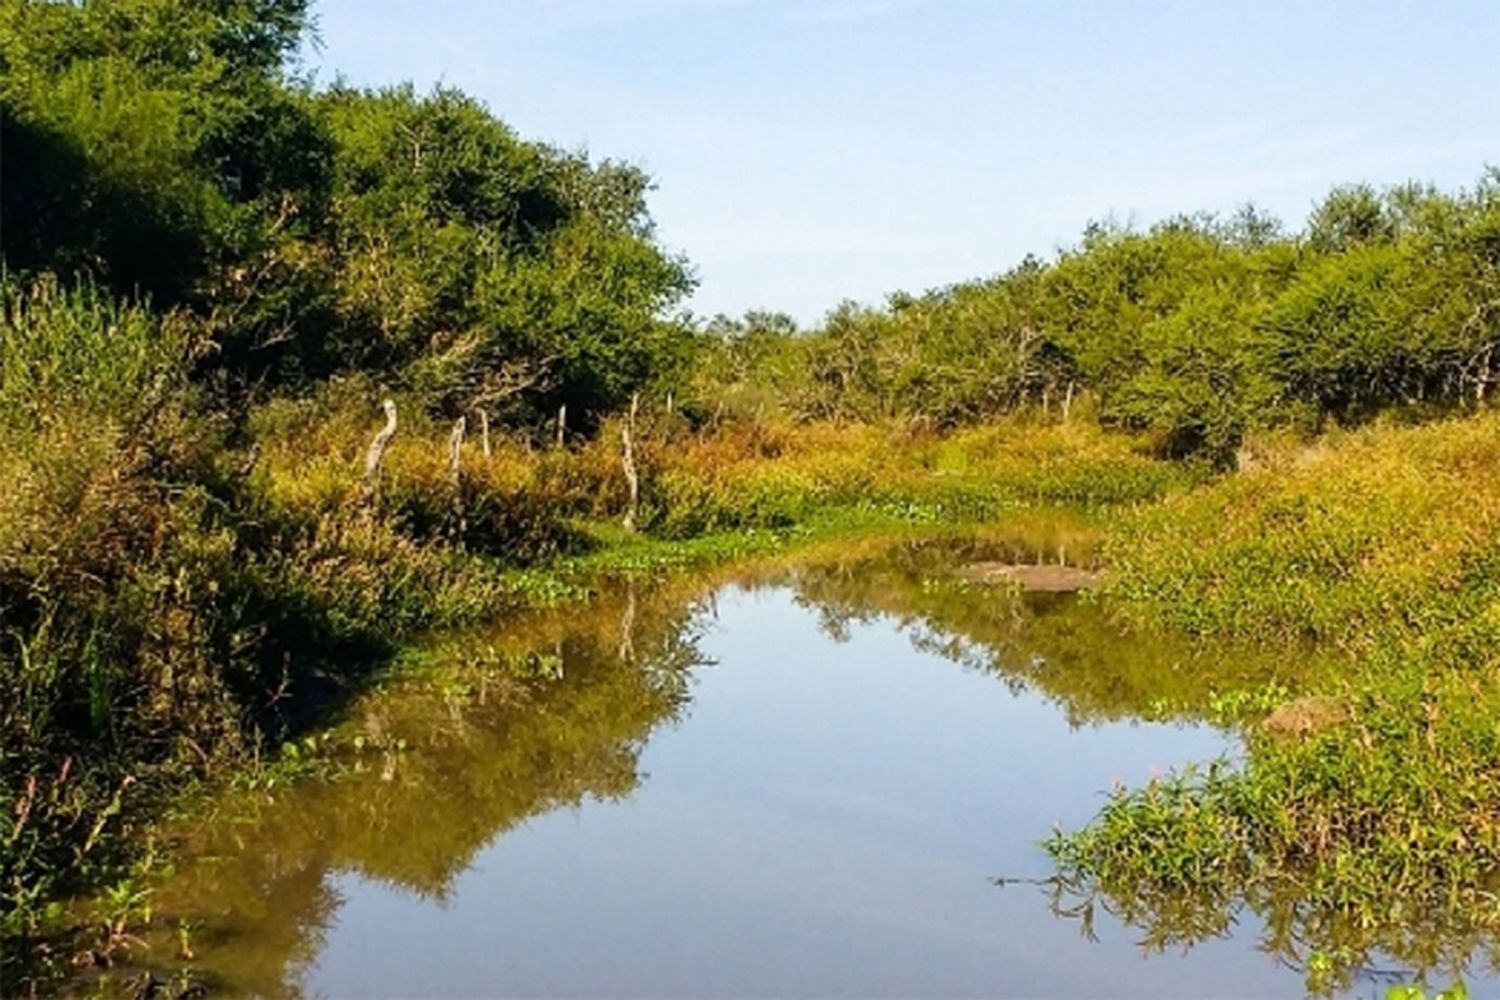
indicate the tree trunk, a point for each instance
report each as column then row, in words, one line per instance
column 562, row 423
column 627, row 625
column 484, row 432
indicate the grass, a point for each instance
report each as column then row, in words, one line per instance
column 1378, row 831
column 1366, row 538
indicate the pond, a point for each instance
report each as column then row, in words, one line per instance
column 799, row 782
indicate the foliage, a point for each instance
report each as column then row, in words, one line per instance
column 144, row 139
column 168, row 149
column 483, row 266
column 1199, row 330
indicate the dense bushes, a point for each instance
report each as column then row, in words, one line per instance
column 167, row 148
column 494, row 273
column 1197, row 330
column 147, row 142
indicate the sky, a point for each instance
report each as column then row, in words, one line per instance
column 811, row 151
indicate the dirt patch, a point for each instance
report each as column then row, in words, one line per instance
column 1047, row 579
column 1304, row 716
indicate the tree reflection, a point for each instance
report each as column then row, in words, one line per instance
column 1066, row 647
column 489, row 736
column 499, row 726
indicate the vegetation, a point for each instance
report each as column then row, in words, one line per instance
column 169, row 150
column 1199, row 331
column 1368, row 825
column 185, row 591
column 216, row 273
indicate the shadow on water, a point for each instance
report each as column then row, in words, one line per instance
column 826, row 805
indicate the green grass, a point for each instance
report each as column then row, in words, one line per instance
column 1380, row 833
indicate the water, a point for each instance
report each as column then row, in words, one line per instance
column 803, row 786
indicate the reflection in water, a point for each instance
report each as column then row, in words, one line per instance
column 776, row 788
column 1055, row 644
column 459, row 757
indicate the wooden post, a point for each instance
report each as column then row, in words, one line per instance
column 484, row 432
column 562, row 423
column 455, row 478
column 632, row 479
column 376, row 455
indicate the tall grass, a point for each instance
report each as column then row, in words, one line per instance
column 110, row 562
column 1367, row 537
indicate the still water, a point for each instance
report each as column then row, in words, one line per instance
column 798, row 784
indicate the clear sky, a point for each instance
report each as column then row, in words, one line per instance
column 808, row 151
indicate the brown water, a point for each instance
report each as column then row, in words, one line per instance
column 800, row 784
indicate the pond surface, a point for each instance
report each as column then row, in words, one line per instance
column 802, row 784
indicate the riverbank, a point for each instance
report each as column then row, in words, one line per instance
column 1349, row 555
column 313, row 589
column 1368, row 829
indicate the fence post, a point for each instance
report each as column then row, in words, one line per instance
column 376, row 455
column 455, row 478
column 632, row 478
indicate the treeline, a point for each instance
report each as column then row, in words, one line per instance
column 1198, row 330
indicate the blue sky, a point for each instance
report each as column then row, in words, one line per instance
column 808, row 151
